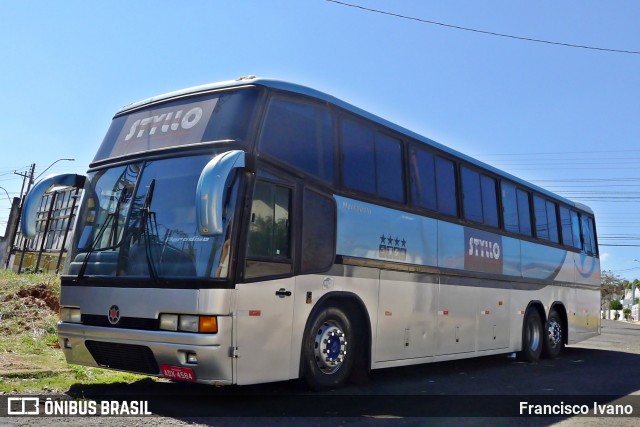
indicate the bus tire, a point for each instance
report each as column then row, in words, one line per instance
column 553, row 342
column 532, row 336
column 329, row 348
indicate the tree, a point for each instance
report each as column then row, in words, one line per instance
column 610, row 285
column 615, row 305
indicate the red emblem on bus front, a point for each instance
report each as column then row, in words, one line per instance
column 114, row 314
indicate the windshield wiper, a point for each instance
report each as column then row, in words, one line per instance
column 111, row 217
column 149, row 229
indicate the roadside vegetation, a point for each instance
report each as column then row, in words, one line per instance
column 30, row 357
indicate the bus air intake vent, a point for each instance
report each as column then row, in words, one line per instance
column 125, row 357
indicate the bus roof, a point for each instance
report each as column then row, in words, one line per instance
column 307, row 91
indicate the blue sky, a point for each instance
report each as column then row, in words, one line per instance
column 545, row 113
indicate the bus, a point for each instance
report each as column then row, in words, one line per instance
column 257, row 230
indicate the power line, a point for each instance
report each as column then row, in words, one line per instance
column 490, row 33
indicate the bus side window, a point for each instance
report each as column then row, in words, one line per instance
column 575, row 229
column 515, row 205
column 479, row 197
column 269, row 240
column 301, row 135
column 588, row 235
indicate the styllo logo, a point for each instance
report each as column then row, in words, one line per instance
column 171, row 121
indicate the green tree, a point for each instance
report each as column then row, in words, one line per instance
column 610, row 285
column 615, row 305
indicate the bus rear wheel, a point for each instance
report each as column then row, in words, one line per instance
column 553, row 336
column 329, row 348
column 532, row 336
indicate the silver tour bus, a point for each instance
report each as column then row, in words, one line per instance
column 256, row 230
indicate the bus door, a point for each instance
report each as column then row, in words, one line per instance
column 264, row 305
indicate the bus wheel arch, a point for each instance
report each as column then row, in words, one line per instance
column 533, row 332
column 338, row 323
column 555, row 331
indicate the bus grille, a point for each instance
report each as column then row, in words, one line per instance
column 125, row 357
column 124, row 323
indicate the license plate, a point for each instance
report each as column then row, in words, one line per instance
column 178, row 373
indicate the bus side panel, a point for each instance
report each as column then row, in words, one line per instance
column 406, row 316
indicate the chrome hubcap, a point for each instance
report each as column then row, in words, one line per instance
column 330, row 347
column 555, row 333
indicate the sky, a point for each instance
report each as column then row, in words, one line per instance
column 564, row 118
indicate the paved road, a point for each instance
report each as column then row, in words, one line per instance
column 599, row 370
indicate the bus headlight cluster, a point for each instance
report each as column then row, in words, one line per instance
column 70, row 315
column 189, row 323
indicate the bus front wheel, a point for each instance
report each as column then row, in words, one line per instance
column 532, row 336
column 329, row 350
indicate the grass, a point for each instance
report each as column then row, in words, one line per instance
column 31, row 361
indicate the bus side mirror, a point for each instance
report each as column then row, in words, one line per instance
column 212, row 187
column 32, row 201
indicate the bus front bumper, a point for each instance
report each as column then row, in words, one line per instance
column 207, row 356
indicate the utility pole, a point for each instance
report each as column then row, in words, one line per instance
column 27, row 178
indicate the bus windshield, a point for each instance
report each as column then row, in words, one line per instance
column 139, row 220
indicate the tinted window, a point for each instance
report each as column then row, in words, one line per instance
column 423, row 179
column 489, row 201
column 318, row 232
column 515, row 205
column 300, row 135
column 390, row 178
column 552, row 218
column 371, row 162
column 524, row 215
column 588, row 235
column 479, row 198
column 575, row 229
column 471, row 195
column 565, row 224
column 358, row 157
column 446, row 186
column 211, row 117
column 510, row 208
column 540, row 211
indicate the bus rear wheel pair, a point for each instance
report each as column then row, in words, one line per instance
column 539, row 340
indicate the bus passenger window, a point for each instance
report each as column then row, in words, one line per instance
column 301, row 135
column 575, row 230
column 358, row 158
column 542, row 225
column 588, row 235
column 565, row 226
column 552, row 218
column 446, row 187
column 479, row 198
column 389, row 175
column 423, row 179
column 515, row 205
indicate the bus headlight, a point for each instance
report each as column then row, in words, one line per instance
column 189, row 323
column 70, row 315
column 169, row 322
